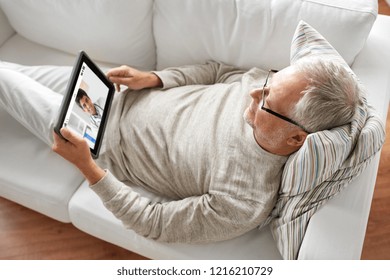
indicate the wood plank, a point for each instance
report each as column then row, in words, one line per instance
column 383, row 7
column 27, row 235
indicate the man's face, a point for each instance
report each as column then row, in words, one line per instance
column 282, row 92
column 87, row 105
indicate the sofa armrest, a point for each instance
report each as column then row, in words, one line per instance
column 337, row 230
column 6, row 29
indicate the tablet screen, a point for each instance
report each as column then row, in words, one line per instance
column 87, row 103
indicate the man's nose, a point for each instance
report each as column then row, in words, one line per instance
column 256, row 94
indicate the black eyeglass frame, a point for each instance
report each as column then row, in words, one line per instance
column 273, row 112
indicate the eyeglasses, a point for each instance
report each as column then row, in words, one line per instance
column 273, row 112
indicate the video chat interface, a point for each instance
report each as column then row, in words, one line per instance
column 82, row 121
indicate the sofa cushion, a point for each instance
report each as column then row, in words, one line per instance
column 257, row 33
column 25, row 175
column 117, row 32
column 25, row 52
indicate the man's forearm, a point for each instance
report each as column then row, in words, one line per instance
column 205, row 74
column 204, row 217
column 92, row 172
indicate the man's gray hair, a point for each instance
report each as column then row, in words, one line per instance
column 331, row 98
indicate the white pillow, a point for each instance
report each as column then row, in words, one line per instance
column 118, row 32
column 326, row 162
column 254, row 33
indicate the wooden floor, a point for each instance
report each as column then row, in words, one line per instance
column 25, row 234
column 384, row 8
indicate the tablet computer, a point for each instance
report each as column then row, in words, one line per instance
column 86, row 103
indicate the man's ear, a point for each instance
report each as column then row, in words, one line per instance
column 297, row 139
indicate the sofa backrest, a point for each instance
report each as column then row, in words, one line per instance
column 255, row 33
column 6, row 29
column 150, row 34
column 118, row 32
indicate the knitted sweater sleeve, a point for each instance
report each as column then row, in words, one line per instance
column 203, row 74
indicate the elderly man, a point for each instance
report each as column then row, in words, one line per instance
column 183, row 133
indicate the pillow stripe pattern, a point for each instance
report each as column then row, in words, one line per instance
column 307, row 41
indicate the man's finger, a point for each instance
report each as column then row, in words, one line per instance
column 120, row 80
column 121, row 71
column 70, row 136
column 58, row 143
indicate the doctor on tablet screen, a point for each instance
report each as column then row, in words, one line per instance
column 95, row 110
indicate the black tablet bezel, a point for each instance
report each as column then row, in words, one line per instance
column 83, row 58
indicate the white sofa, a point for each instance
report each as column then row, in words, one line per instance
column 151, row 34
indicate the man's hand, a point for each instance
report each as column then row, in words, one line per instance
column 133, row 78
column 76, row 150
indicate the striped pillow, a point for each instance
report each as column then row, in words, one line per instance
column 308, row 42
column 326, row 162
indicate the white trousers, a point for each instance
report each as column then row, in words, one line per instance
column 33, row 95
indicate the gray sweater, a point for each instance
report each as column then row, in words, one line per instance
column 189, row 142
